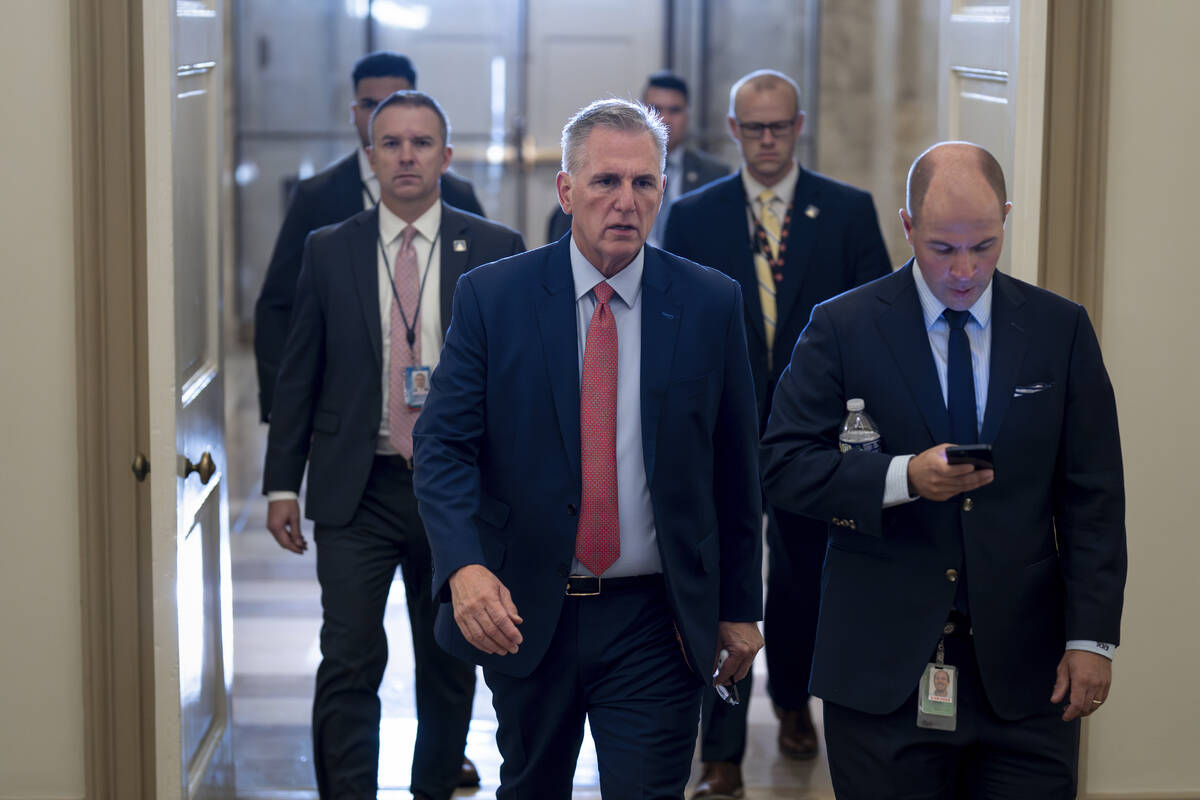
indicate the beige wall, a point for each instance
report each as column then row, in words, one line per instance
column 1145, row 741
column 41, row 718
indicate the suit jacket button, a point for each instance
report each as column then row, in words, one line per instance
column 850, row 522
column 968, row 504
column 571, row 509
column 952, row 575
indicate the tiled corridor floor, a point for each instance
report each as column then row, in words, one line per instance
column 276, row 621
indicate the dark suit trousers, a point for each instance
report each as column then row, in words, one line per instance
column 355, row 566
column 796, row 550
column 614, row 660
column 887, row 757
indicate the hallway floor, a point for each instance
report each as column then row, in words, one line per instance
column 277, row 617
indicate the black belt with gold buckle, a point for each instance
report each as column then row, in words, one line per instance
column 590, row 585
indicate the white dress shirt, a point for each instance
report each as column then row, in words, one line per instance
column 428, row 245
column 635, row 514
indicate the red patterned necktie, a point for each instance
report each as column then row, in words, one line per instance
column 407, row 282
column 598, row 538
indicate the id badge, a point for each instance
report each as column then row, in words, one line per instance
column 937, row 698
column 416, row 386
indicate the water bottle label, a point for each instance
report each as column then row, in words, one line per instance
column 867, row 441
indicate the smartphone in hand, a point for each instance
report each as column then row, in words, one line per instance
column 977, row 455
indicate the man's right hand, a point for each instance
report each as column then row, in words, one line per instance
column 283, row 521
column 931, row 477
column 484, row 610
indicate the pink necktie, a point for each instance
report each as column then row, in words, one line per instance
column 401, row 418
column 598, row 538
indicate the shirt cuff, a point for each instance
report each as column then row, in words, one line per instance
column 273, row 496
column 1091, row 646
column 895, row 487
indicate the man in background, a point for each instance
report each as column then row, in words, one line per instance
column 332, row 195
column 792, row 238
column 372, row 307
column 1010, row 579
column 687, row 168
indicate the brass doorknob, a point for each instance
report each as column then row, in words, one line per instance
column 140, row 467
column 205, row 468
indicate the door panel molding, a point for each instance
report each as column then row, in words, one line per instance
column 110, row 270
column 1074, row 179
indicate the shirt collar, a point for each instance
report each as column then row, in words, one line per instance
column 364, row 167
column 391, row 226
column 784, row 190
column 932, row 308
column 626, row 283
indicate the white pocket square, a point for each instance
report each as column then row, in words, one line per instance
column 1033, row 388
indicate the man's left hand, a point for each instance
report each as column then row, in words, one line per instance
column 743, row 641
column 1088, row 676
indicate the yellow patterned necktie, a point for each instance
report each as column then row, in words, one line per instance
column 762, row 267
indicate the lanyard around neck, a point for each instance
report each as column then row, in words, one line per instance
column 761, row 243
column 410, row 330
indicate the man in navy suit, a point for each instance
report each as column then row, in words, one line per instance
column 335, row 194
column 372, row 305
column 1009, row 579
column 585, row 468
column 818, row 239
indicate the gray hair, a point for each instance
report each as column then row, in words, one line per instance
column 762, row 80
column 622, row 115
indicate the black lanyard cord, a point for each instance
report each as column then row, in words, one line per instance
column 410, row 331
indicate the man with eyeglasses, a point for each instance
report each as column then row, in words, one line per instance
column 792, row 238
column 335, row 194
column 687, row 167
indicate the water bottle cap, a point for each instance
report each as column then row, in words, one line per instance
column 855, row 404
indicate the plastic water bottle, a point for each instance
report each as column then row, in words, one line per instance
column 858, row 430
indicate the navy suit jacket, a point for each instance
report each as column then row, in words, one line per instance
column 497, row 447
column 1043, row 544
column 831, row 248
column 330, row 393
column 332, row 195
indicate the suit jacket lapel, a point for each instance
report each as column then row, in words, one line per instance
column 1010, row 339
column 456, row 250
column 660, row 327
column 560, row 345
column 903, row 327
column 737, row 257
column 801, row 236
column 364, row 264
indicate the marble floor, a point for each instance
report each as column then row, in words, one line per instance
column 277, row 617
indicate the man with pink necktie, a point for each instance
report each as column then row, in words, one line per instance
column 586, row 468
column 371, row 308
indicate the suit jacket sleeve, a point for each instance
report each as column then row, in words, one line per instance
column 273, row 310
column 446, row 442
column 868, row 253
column 460, row 193
column 1089, row 496
column 739, row 498
column 803, row 470
column 298, row 384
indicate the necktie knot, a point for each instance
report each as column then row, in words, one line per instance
column 956, row 319
column 766, row 197
column 603, row 292
column 408, row 234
